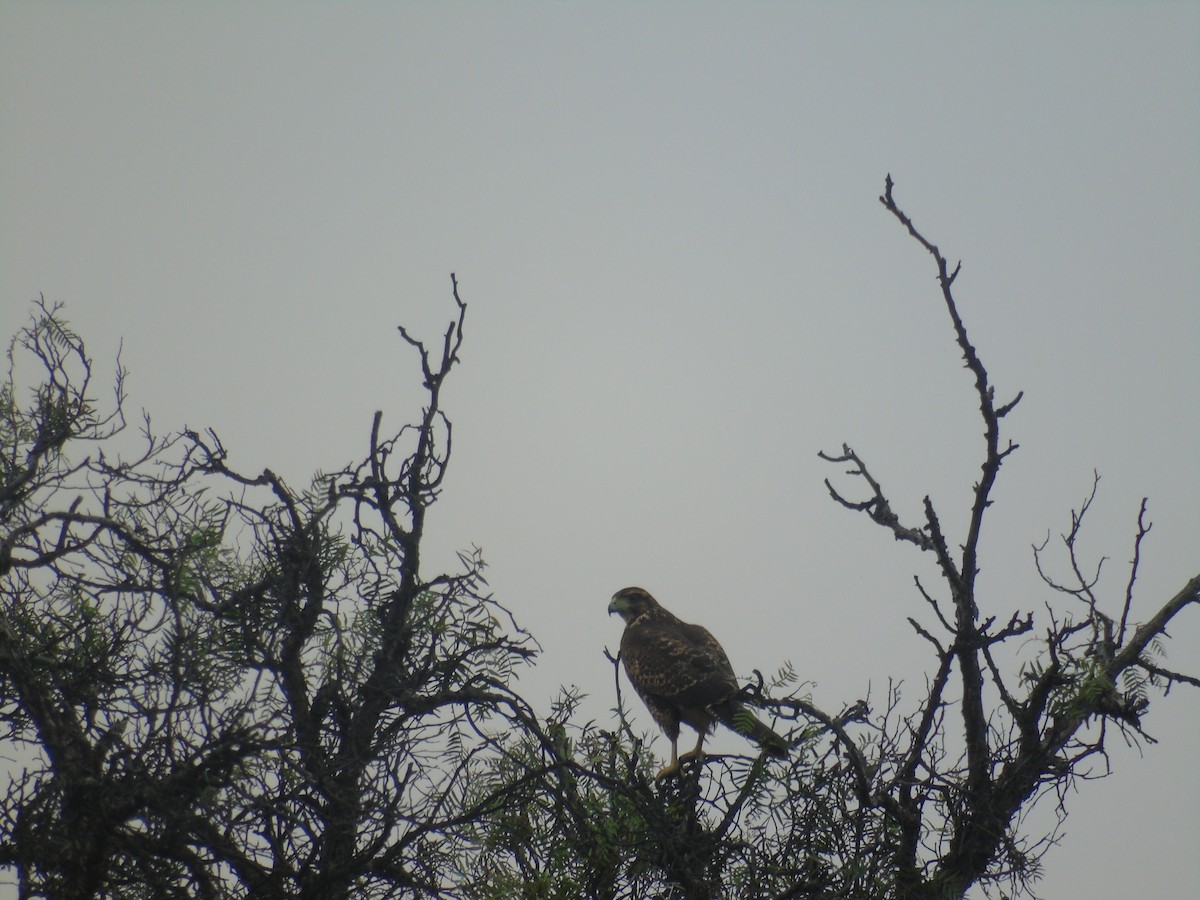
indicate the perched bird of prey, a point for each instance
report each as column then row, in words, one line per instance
column 683, row 675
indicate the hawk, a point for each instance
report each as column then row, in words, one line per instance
column 683, row 675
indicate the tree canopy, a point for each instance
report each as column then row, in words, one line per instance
column 214, row 683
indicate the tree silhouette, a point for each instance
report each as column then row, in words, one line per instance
column 219, row 685
column 213, row 684
column 885, row 799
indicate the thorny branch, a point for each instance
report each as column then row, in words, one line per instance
column 231, row 681
column 976, row 808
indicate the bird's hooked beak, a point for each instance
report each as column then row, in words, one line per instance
column 619, row 604
column 629, row 603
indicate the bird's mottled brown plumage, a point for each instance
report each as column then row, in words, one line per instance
column 682, row 674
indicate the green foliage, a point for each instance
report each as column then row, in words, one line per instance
column 219, row 686
column 224, row 681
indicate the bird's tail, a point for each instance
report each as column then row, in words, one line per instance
column 739, row 718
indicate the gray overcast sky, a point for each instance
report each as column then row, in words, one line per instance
column 681, row 287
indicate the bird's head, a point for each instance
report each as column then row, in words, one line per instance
column 631, row 603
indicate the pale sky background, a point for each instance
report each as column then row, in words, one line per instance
column 681, row 287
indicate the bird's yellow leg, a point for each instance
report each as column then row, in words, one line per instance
column 671, row 768
column 697, row 752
